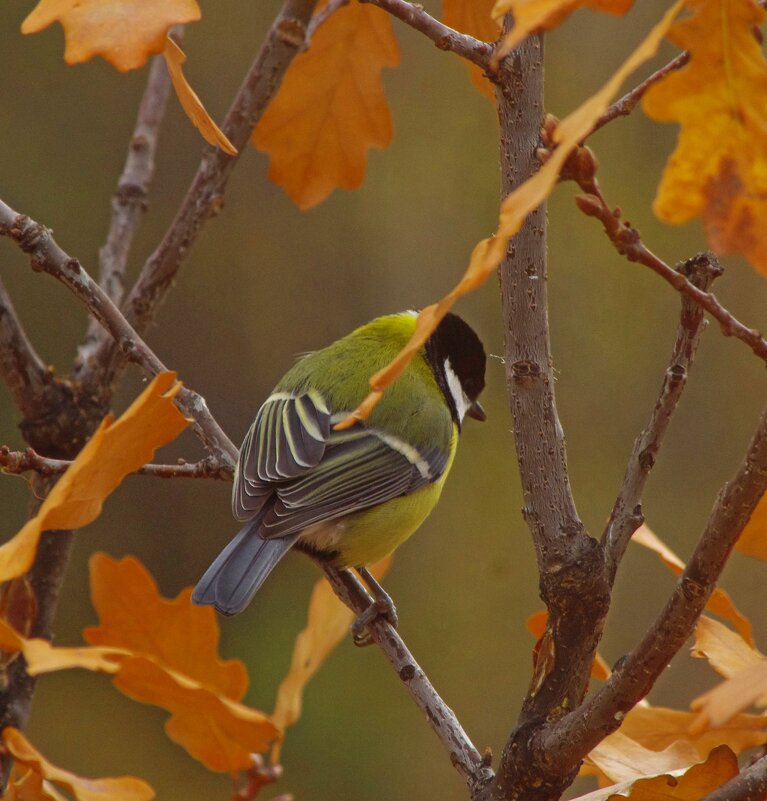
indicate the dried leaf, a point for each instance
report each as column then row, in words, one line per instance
column 536, row 625
column 473, row 17
column 753, row 540
column 720, row 705
column 134, row 617
column 658, row 727
column 622, row 759
column 727, row 652
column 719, row 603
column 328, row 622
column 679, row 785
column 191, row 103
column 719, row 168
column 331, row 107
column 124, row 32
column 174, row 663
column 124, row 788
column 531, row 16
column 18, row 607
column 114, row 450
column 489, row 253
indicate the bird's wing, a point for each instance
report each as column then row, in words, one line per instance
column 287, row 438
column 360, row 468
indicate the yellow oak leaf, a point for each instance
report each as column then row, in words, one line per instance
column 686, row 784
column 473, row 17
column 331, row 107
column 124, row 32
column 489, row 253
column 531, row 16
column 719, row 603
column 124, row 788
column 191, row 103
column 115, row 449
column 718, row 170
column 328, row 622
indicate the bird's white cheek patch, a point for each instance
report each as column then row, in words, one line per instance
column 461, row 400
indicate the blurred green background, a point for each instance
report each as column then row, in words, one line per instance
column 267, row 282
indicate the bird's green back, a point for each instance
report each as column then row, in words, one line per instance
column 413, row 408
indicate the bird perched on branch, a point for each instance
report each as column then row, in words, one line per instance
column 348, row 497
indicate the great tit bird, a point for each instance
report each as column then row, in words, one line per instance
column 347, row 497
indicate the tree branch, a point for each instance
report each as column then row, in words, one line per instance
column 21, row 368
column 204, row 198
column 444, row 37
column 567, row 741
column 573, row 582
column 129, row 201
column 464, row 756
column 46, row 256
column 628, row 243
column 749, row 785
column 626, row 516
column 623, row 106
column 18, row 462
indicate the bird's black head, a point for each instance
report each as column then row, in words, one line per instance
column 457, row 357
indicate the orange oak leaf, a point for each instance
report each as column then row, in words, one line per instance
column 328, row 622
column 331, row 107
column 719, row 168
column 536, row 625
column 744, row 666
column 489, row 253
column 124, row 788
column 473, row 17
column 753, row 540
column 124, row 32
column 531, row 16
column 719, row 603
column 191, row 103
column 115, row 449
column 27, row 785
column 174, row 663
column 690, row 784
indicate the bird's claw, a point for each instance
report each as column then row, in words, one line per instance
column 379, row 608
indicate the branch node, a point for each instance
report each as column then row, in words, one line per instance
column 291, row 31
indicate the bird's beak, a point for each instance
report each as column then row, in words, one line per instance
column 477, row 412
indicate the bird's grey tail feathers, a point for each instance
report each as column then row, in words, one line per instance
column 240, row 569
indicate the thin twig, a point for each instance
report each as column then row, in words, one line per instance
column 567, row 741
column 627, row 515
column 29, row 460
column 623, row 106
column 46, row 256
column 443, row 36
column 205, row 196
column 474, row 769
column 749, row 785
column 628, row 243
column 130, row 200
column 323, row 15
column 20, row 366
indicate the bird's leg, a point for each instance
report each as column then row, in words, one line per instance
column 381, row 606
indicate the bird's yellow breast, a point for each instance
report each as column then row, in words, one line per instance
column 369, row 536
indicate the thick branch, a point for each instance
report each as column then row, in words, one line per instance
column 628, row 243
column 569, row 740
column 444, row 37
column 130, row 200
column 572, row 577
column 463, row 755
column 204, row 199
column 20, row 366
column 17, row 462
column 749, row 785
column 626, row 515
column 46, row 255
